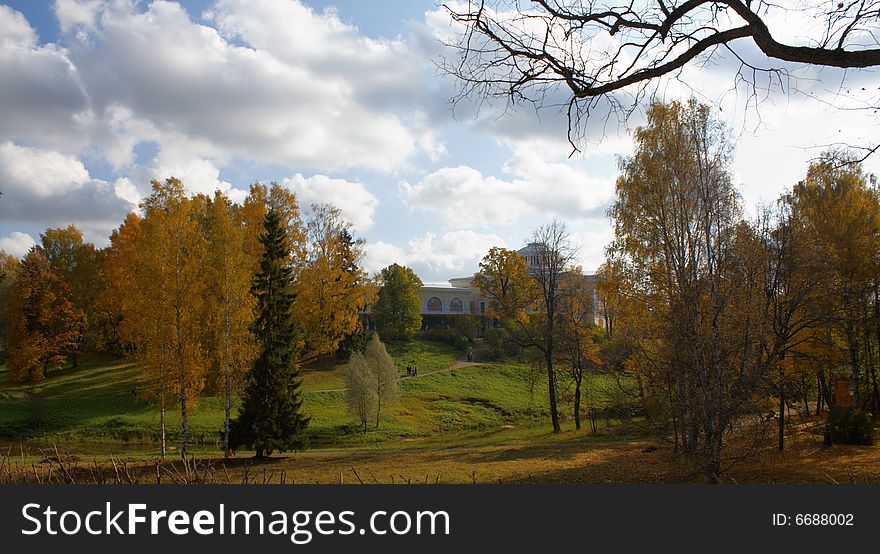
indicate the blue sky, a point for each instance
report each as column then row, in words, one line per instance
column 340, row 101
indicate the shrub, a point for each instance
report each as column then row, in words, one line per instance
column 446, row 336
column 851, row 426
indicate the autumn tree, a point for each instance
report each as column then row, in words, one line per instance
column 230, row 306
column 579, row 337
column 43, row 328
column 504, row 280
column 134, row 310
column 677, row 222
column 837, row 190
column 8, row 267
column 602, row 56
column 332, row 289
column 524, row 296
column 553, row 255
column 155, row 270
column 271, row 417
column 80, row 265
column 398, row 309
column 792, row 284
column 259, row 201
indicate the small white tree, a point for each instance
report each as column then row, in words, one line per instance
column 384, row 374
column 360, row 390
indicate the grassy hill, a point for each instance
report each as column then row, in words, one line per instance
column 101, row 403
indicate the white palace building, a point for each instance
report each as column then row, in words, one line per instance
column 458, row 296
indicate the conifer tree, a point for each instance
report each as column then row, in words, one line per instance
column 271, row 417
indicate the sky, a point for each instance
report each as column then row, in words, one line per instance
column 342, row 102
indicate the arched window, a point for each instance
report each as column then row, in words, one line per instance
column 456, row 305
column 435, row 305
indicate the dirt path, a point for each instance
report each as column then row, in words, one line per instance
column 455, row 365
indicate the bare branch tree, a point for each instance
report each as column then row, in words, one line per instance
column 552, row 255
column 607, row 53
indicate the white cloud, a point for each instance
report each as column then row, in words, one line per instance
column 275, row 82
column 357, row 204
column 45, row 187
column 451, row 252
column 381, row 254
column 76, row 13
column 198, row 175
column 464, row 198
column 16, row 244
column 40, row 172
column 591, row 245
column 434, row 256
column 15, row 31
column 41, row 97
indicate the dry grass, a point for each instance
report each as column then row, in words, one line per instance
column 570, row 458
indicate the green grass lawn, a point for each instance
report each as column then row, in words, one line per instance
column 328, row 373
column 101, row 403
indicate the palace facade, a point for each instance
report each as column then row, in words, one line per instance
column 458, row 296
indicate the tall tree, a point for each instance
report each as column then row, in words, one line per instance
column 230, row 304
column 837, row 190
column 398, row 309
column 792, row 284
column 677, row 222
column 578, row 336
column 172, row 253
column 134, row 308
column 271, row 416
column 554, row 254
column 332, row 289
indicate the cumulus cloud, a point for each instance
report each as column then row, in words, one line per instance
column 381, row 254
column 464, row 198
column 356, row 203
column 45, row 187
column 40, row 172
column 41, row 96
column 275, row 81
column 434, row 256
column 179, row 158
column 16, row 243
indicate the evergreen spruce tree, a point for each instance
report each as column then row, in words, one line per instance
column 271, row 417
column 355, row 341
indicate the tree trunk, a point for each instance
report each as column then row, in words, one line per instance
column 805, row 397
column 228, row 384
column 551, row 385
column 162, row 411
column 181, row 368
column 183, row 429
column 781, row 404
column 577, row 403
column 853, row 346
column 378, row 404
